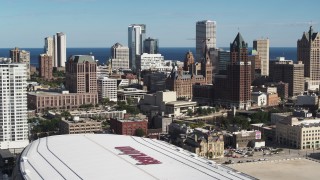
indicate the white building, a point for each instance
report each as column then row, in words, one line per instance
column 60, row 49
column 157, row 100
column 152, row 62
column 107, row 88
column 13, row 106
column 119, row 56
column 262, row 46
column 136, row 37
column 88, row 156
column 49, row 48
column 259, row 98
column 205, row 36
column 103, row 70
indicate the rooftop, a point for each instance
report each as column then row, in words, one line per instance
column 102, row 156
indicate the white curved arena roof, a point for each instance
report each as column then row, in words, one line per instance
column 105, row 156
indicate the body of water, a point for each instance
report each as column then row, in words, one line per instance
column 169, row 53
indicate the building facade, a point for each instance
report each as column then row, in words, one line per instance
column 300, row 134
column 119, row 56
column 13, row 106
column 181, row 80
column 60, row 49
column 149, row 61
column 45, row 64
column 49, row 48
column 262, row 46
column 107, row 88
column 288, row 72
column 81, row 74
column 233, row 89
column 80, row 126
column 128, row 126
column 151, row 46
column 42, row 101
column 205, row 37
column 136, row 37
column 308, row 48
column 21, row 56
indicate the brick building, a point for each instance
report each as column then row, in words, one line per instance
column 79, row 126
column 182, row 79
column 45, row 64
column 128, row 126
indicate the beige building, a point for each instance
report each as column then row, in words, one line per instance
column 262, row 46
column 41, row 101
column 210, row 146
column 301, row 134
column 79, row 126
column 178, row 108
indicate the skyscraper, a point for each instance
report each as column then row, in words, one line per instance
column 262, row 46
column 308, row 48
column 119, row 56
column 205, row 37
column 136, row 37
column 49, row 48
column 45, row 64
column 151, row 46
column 81, row 74
column 60, row 49
column 13, row 105
column 233, row 89
column 21, row 56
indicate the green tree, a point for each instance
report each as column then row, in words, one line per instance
column 140, row 132
column 189, row 112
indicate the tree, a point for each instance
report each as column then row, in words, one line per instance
column 65, row 114
column 189, row 112
column 140, row 132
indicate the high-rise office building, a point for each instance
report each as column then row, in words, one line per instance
column 107, row 88
column 286, row 71
column 49, row 48
column 60, row 49
column 13, row 105
column 205, row 37
column 308, row 48
column 119, row 56
column 233, row 89
column 151, row 46
column 262, row 46
column 136, row 37
column 21, row 56
column 45, row 64
column 81, row 74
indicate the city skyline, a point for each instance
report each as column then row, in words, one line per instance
column 97, row 23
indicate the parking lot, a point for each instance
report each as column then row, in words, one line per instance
column 282, row 169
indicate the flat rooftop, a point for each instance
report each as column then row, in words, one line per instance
column 106, row 156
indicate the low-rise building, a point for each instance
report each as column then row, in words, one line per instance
column 242, row 139
column 79, row 126
column 41, row 100
column 259, row 98
column 132, row 93
column 178, row 108
column 205, row 144
column 300, row 134
column 267, row 132
column 105, row 114
column 128, row 126
column 273, row 99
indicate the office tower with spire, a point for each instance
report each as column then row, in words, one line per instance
column 136, row 37
column 60, row 49
column 13, row 105
column 49, row 48
column 205, row 37
column 233, row 89
column 308, row 48
column 262, row 46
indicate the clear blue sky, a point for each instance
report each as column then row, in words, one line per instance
column 101, row 23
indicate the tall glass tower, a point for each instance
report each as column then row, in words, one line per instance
column 60, row 42
column 136, row 37
column 205, row 37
